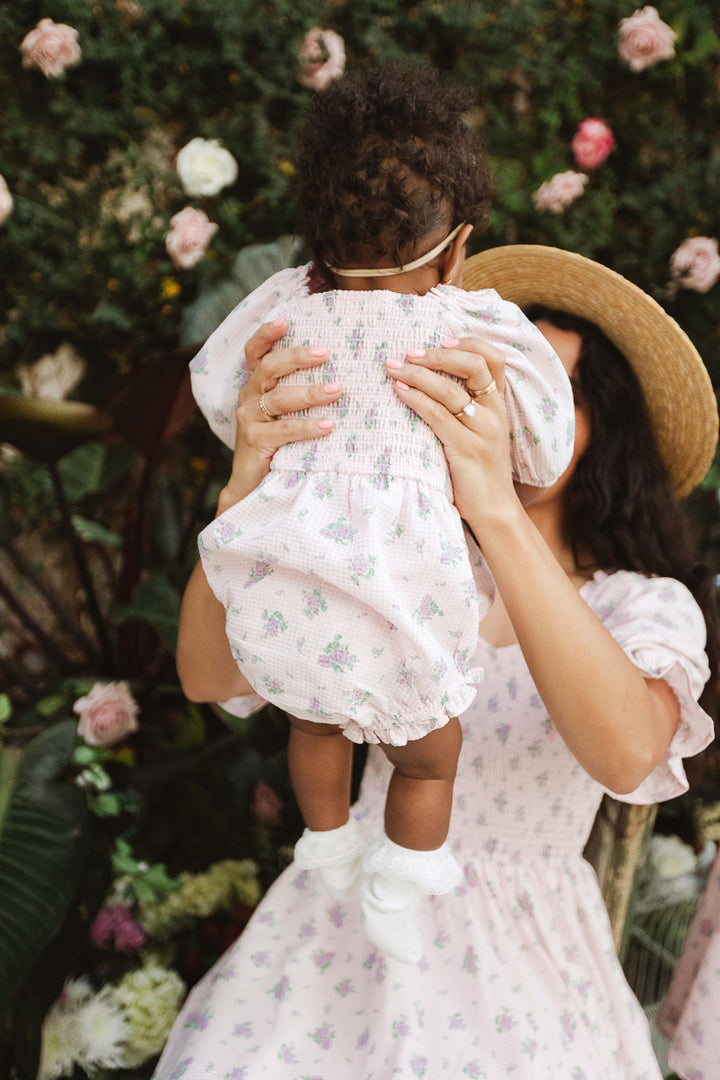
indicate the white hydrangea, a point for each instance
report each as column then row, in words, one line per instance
column 205, row 167
column 151, row 997
column 102, row 1030
column 60, row 1036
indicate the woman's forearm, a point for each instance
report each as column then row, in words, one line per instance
column 205, row 665
column 617, row 723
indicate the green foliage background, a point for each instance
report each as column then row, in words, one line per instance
column 156, row 75
column 90, row 161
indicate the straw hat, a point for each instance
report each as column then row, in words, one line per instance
column 678, row 393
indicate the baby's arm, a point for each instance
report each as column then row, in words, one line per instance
column 219, row 370
column 538, row 395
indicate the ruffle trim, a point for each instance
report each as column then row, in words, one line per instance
column 382, row 729
column 694, row 732
column 244, row 705
column 332, row 848
column 435, row 872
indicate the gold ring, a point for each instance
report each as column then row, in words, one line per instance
column 467, row 410
column 264, row 409
column 492, row 385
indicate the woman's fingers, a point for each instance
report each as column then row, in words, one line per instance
column 281, row 400
column 474, row 361
column 271, row 363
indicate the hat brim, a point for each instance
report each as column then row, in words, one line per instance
column 677, row 389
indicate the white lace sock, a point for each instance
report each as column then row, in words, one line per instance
column 396, row 880
column 336, row 854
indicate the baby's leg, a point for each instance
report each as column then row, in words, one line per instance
column 419, row 798
column 412, row 859
column 320, row 763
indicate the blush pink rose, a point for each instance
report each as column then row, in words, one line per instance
column 559, row 191
column 6, row 201
column 190, row 233
column 591, row 143
column 644, row 39
column 696, row 264
column 266, row 806
column 107, row 714
column 322, row 58
column 52, row 47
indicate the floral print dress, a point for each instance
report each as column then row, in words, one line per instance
column 520, row 980
column 345, row 576
column 690, row 1013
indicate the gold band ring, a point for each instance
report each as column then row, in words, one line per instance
column 492, row 385
column 264, row 409
column 467, row 410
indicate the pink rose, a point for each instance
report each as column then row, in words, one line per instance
column 107, row 714
column 591, row 143
column 322, row 58
column 561, row 190
column 266, row 806
column 190, row 233
column 645, row 39
column 6, row 201
column 696, row 263
column 115, row 926
column 52, row 47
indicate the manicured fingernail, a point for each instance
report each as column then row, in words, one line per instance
column 318, row 350
column 277, row 322
column 415, row 354
column 331, row 387
column 450, row 343
column 395, row 364
column 325, row 425
column 401, row 384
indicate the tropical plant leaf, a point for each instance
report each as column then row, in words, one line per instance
column 157, row 602
column 47, row 429
column 91, row 468
column 152, row 403
column 43, row 841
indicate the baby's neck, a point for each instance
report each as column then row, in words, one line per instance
column 411, row 283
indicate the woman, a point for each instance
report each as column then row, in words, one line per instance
column 592, row 671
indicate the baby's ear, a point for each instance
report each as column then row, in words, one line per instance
column 454, row 257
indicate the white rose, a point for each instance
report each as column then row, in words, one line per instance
column 205, row 167
column 52, row 376
column 6, row 201
column 670, row 857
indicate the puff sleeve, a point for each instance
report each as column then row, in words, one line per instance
column 538, row 394
column 219, row 371
column 660, row 627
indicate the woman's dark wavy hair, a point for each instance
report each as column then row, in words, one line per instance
column 619, row 503
column 385, row 161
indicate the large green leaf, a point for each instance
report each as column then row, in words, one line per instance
column 157, row 602
column 48, row 429
column 43, row 841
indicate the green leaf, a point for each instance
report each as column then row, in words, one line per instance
column 48, row 706
column 92, row 532
column 156, row 602
column 47, row 429
column 5, row 708
column 91, row 468
column 43, row 843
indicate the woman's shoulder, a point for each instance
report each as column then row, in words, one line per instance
column 628, row 598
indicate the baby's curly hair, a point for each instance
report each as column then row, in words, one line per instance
column 386, row 163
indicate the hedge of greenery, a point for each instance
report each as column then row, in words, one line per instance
column 103, row 484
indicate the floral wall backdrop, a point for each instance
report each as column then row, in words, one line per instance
column 146, row 184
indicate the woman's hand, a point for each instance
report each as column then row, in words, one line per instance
column 477, row 446
column 260, row 433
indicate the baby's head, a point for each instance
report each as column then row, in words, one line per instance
column 388, row 167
